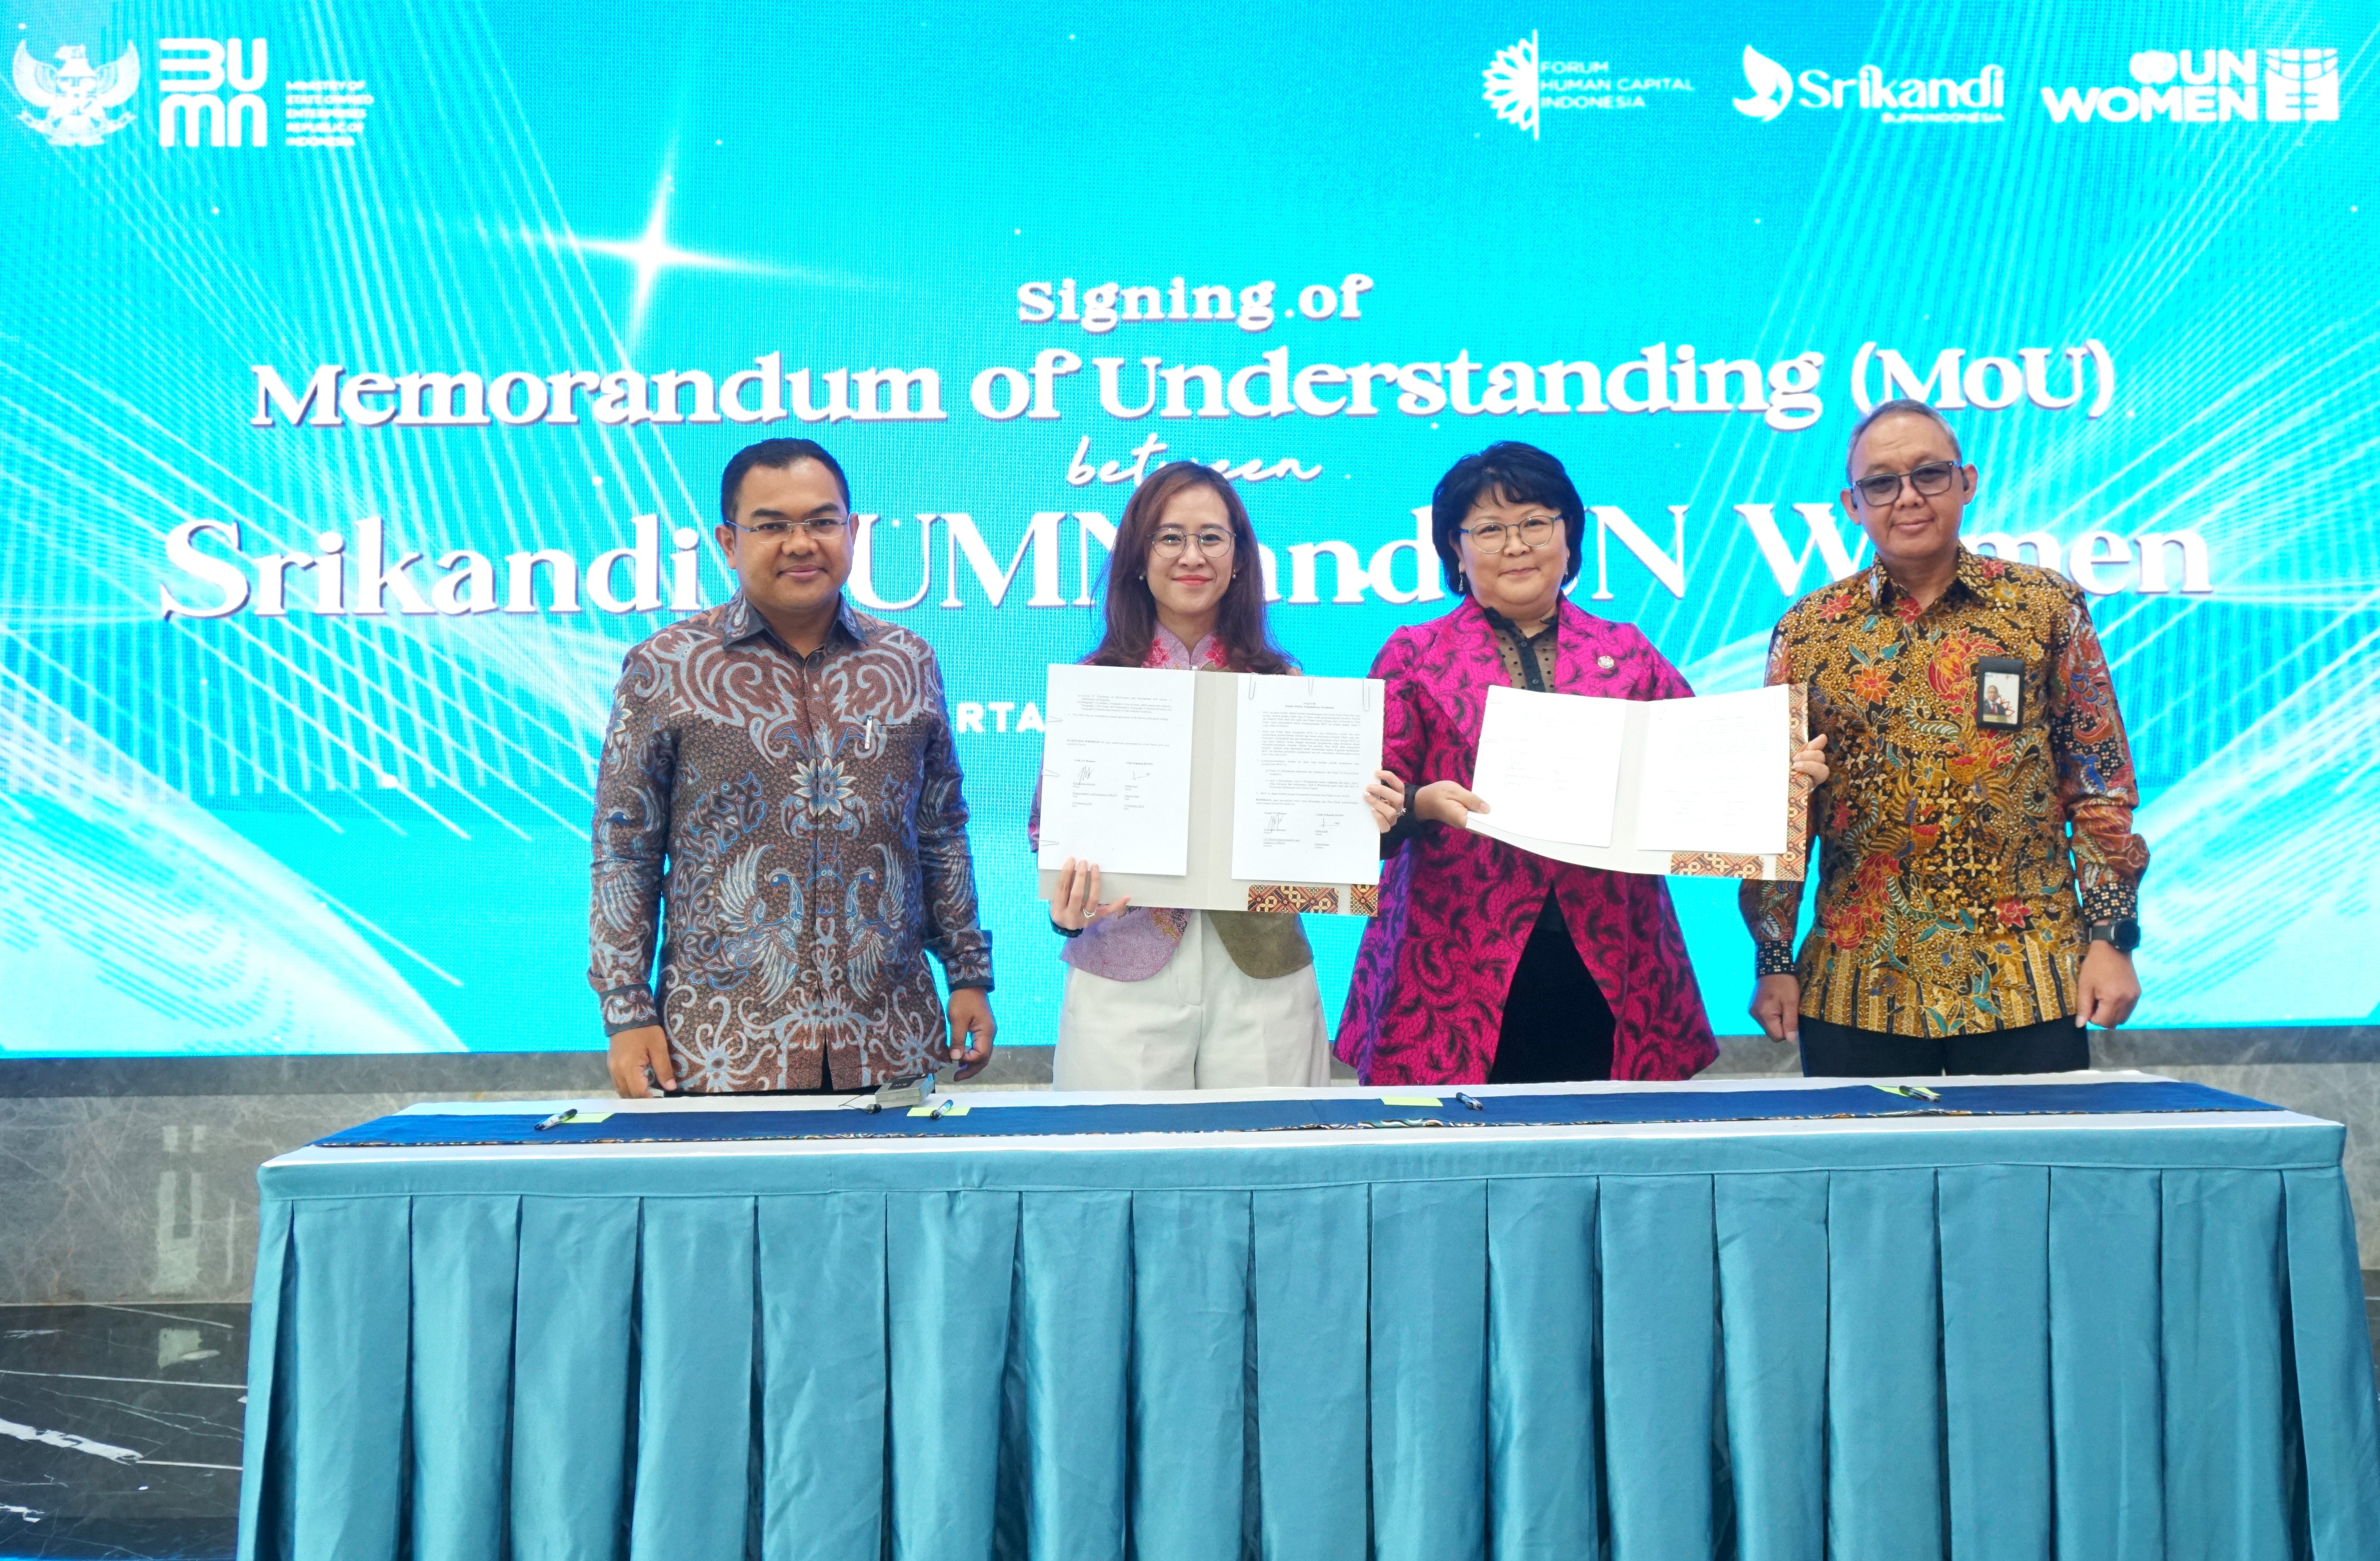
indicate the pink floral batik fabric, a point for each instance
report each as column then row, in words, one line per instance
column 1456, row 908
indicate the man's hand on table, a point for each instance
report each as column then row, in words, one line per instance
column 1777, row 1007
column 2107, row 990
column 969, row 1044
column 633, row 1051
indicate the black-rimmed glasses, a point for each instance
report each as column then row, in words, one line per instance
column 1933, row 477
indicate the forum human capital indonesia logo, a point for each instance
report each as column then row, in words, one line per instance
column 1916, row 99
column 1520, row 86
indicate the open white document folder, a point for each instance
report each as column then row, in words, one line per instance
column 1696, row 787
column 1213, row 790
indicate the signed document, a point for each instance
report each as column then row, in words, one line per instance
column 1213, row 790
column 1694, row 786
column 1712, row 778
column 1115, row 769
column 1303, row 752
column 1548, row 764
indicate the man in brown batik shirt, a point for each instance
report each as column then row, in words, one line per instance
column 1979, row 880
column 779, row 772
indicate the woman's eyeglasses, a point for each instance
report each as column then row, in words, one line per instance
column 1212, row 543
column 1534, row 532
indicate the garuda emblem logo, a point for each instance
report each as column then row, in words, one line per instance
column 75, row 99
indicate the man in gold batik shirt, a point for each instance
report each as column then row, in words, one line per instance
column 1979, row 876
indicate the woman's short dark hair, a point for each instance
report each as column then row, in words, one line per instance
column 1516, row 472
column 776, row 454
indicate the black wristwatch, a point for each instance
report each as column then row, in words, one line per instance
column 2123, row 934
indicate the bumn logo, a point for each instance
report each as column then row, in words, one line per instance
column 2210, row 86
column 191, row 70
column 74, row 98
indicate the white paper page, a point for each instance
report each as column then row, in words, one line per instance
column 1305, row 748
column 1115, row 769
column 1714, row 773
column 1548, row 764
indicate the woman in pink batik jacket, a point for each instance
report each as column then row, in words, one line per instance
column 1489, row 963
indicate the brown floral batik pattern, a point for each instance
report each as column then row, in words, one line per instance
column 800, row 819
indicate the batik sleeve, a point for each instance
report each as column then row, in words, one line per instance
column 632, row 784
column 2096, row 780
column 1772, row 908
column 1404, row 739
column 953, row 933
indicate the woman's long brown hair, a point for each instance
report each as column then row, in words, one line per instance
column 1132, row 610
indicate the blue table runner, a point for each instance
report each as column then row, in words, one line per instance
column 1346, row 1109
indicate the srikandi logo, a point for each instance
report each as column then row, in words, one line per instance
column 1520, row 86
column 1937, row 100
column 2209, row 87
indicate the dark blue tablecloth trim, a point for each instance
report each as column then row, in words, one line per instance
column 1355, row 1111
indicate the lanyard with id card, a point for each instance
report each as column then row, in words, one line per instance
column 1999, row 693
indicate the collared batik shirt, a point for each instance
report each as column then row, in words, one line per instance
column 1953, row 849
column 800, row 819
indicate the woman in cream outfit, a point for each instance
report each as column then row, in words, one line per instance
column 1171, row 999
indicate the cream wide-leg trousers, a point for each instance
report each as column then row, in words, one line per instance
column 1201, row 1023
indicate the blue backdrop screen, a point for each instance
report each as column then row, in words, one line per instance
column 365, row 371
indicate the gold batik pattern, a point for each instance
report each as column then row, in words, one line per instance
column 1960, row 864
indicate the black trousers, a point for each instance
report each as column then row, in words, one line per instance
column 1557, row 1026
column 1840, row 1052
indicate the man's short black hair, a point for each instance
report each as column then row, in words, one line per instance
column 1891, row 408
column 776, row 454
column 1522, row 474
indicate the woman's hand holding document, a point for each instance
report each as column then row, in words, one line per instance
column 1626, row 785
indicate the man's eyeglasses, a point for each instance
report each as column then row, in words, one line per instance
column 1212, row 543
column 1934, row 476
column 818, row 529
column 1535, row 532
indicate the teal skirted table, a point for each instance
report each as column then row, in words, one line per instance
column 2095, row 1317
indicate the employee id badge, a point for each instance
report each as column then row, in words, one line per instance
column 1999, row 693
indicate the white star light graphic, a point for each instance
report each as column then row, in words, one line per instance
column 651, row 253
